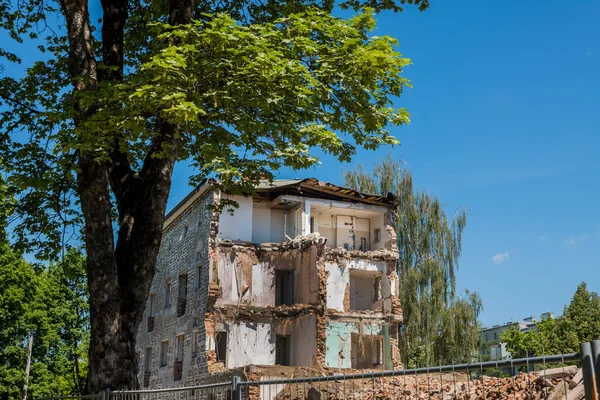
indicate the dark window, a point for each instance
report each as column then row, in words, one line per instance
column 148, row 360
column 179, row 350
column 195, row 344
column 221, row 347
column 182, row 299
column 282, row 350
column 152, row 301
column 164, row 355
column 377, row 235
column 284, row 288
column 168, row 295
column 198, row 276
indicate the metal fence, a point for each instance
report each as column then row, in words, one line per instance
column 457, row 381
column 444, row 382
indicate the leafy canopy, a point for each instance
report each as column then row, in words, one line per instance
column 51, row 305
column 248, row 98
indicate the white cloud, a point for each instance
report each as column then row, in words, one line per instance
column 574, row 240
column 500, row 258
column 542, row 238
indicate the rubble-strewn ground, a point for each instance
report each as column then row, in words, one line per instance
column 553, row 384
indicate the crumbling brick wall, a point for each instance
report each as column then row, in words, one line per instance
column 185, row 245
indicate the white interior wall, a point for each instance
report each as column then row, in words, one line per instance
column 250, row 343
column 263, row 285
column 239, row 225
column 361, row 292
column 324, row 224
column 226, row 273
column 261, row 223
column 276, row 226
column 304, row 345
column 344, row 227
column 339, row 278
column 377, row 223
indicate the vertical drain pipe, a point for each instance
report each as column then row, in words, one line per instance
column 284, row 220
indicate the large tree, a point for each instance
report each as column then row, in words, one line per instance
column 238, row 89
column 46, row 305
column 439, row 325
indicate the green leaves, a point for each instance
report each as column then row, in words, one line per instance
column 579, row 323
column 52, row 304
column 273, row 91
column 247, row 99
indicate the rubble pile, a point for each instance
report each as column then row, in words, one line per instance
column 378, row 255
column 303, row 242
column 553, row 384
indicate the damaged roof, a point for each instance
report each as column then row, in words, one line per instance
column 312, row 187
column 309, row 187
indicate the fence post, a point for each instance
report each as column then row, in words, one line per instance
column 596, row 362
column 236, row 390
column 589, row 376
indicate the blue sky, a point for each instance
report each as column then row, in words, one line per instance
column 505, row 110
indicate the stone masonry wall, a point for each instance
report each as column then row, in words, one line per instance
column 184, row 247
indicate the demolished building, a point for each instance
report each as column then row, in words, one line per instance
column 301, row 274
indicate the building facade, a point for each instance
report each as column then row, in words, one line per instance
column 492, row 348
column 301, row 274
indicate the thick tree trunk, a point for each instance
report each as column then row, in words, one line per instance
column 119, row 277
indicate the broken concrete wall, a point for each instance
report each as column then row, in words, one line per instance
column 306, row 277
column 249, row 342
column 263, row 285
column 338, row 282
column 234, row 274
column 339, row 341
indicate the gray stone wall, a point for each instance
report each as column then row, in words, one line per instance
column 184, row 249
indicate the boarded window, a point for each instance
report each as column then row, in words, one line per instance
column 282, row 350
column 221, row 347
column 284, row 288
column 164, row 353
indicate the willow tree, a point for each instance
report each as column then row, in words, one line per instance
column 439, row 325
column 237, row 89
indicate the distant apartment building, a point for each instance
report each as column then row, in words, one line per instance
column 492, row 348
